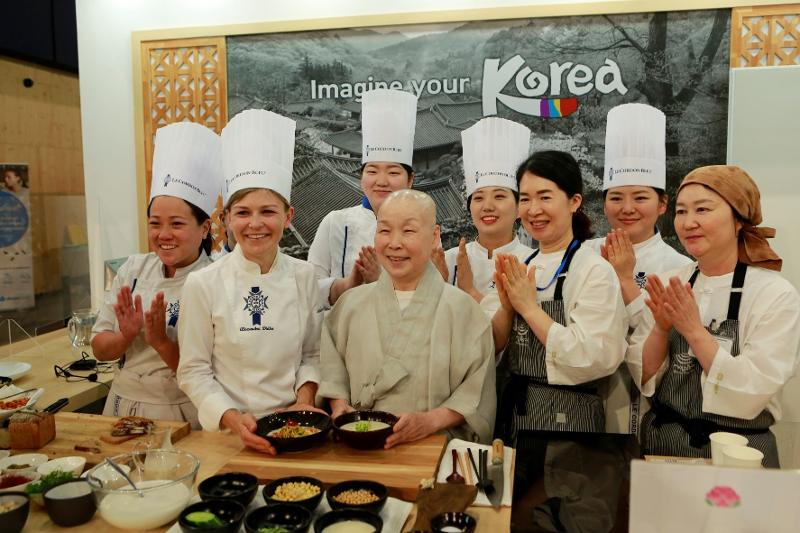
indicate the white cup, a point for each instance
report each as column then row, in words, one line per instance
column 742, row 457
column 720, row 440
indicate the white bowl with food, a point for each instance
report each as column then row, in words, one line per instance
column 72, row 464
column 15, row 399
column 22, row 462
column 164, row 479
column 17, row 481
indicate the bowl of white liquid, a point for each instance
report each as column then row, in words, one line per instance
column 164, row 479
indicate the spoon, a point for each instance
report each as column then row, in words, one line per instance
column 455, row 477
column 121, row 472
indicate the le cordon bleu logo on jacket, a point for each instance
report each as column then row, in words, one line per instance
column 173, row 310
column 255, row 303
column 536, row 94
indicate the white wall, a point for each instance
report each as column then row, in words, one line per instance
column 106, row 85
column 764, row 111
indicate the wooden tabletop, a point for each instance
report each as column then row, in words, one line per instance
column 44, row 351
column 215, row 449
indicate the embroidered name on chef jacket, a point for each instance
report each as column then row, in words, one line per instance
column 173, row 310
column 255, row 303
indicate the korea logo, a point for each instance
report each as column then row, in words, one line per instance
column 255, row 303
column 173, row 309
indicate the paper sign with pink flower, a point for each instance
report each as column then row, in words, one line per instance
column 721, row 496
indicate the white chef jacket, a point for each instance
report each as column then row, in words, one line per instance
column 592, row 344
column 339, row 238
column 769, row 338
column 145, row 377
column 483, row 267
column 248, row 340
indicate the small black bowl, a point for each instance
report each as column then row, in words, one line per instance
column 230, row 512
column 309, row 503
column 70, row 503
column 462, row 521
column 341, row 515
column 269, row 423
column 237, row 486
column 376, row 488
column 364, row 440
column 288, row 515
column 14, row 520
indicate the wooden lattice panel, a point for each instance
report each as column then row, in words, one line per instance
column 765, row 36
column 184, row 80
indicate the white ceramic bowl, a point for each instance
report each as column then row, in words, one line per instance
column 32, row 396
column 72, row 464
column 32, row 476
column 33, row 460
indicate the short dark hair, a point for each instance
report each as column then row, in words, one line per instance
column 200, row 216
column 562, row 169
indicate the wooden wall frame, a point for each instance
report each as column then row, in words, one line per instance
column 765, row 36
column 145, row 42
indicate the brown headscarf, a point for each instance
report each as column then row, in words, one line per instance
column 741, row 192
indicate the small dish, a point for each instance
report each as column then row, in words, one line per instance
column 309, row 503
column 13, row 519
column 72, row 464
column 20, row 485
column 345, row 427
column 32, row 396
column 377, row 489
column 286, row 515
column 71, row 503
column 230, row 514
column 14, row 369
column 22, row 462
column 453, row 523
column 348, row 515
column 238, row 486
column 267, row 426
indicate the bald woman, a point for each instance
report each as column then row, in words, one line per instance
column 410, row 343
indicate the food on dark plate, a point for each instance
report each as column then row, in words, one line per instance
column 295, row 491
column 273, row 529
column 349, row 526
column 363, row 426
column 356, row 497
column 204, row 519
column 10, row 505
column 292, row 430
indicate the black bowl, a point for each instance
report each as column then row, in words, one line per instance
column 309, row 503
column 340, row 515
column 364, row 440
column 269, row 423
column 237, row 486
column 373, row 486
column 230, row 512
column 288, row 515
column 14, row 520
column 461, row 521
column 70, row 503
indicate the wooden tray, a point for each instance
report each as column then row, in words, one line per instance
column 400, row 469
column 74, row 428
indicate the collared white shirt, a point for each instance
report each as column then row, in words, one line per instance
column 769, row 339
column 248, row 340
column 339, row 238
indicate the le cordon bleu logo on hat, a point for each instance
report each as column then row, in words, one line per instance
column 642, row 170
column 169, row 179
column 368, row 148
column 494, row 173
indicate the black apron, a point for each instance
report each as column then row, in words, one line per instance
column 528, row 401
column 676, row 424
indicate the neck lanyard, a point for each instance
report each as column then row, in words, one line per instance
column 564, row 261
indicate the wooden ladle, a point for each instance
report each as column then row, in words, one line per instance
column 455, row 477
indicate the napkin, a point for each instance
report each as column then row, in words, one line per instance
column 394, row 513
column 446, row 467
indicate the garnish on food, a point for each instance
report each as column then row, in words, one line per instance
column 204, row 519
column 272, row 529
column 56, row 477
column 362, row 425
column 292, row 430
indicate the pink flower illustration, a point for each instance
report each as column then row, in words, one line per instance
column 721, row 496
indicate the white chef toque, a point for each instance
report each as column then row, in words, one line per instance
column 635, row 153
column 187, row 164
column 258, row 152
column 388, row 119
column 493, row 149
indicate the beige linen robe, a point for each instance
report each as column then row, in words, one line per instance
column 438, row 352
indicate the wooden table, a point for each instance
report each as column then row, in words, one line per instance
column 42, row 353
column 215, row 449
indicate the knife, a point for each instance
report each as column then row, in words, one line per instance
column 495, row 481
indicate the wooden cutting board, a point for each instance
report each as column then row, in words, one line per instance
column 74, row 428
column 400, row 469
